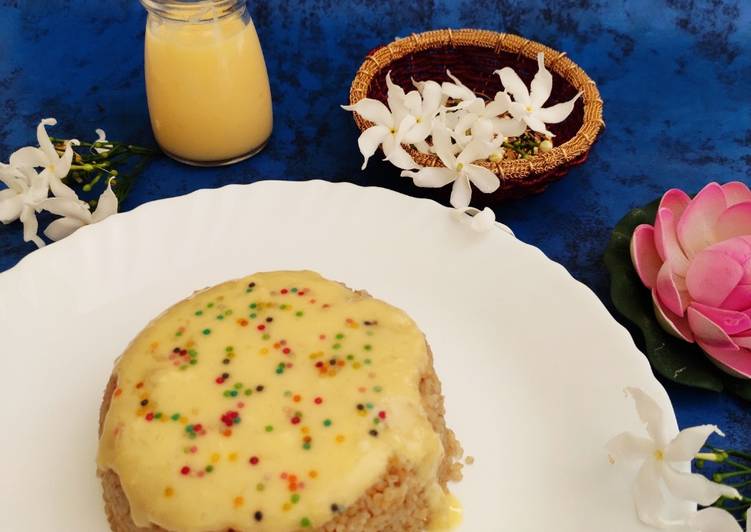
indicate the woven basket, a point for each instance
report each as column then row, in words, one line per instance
column 473, row 56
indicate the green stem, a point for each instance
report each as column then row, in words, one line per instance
column 722, row 477
column 739, row 465
column 141, row 150
column 712, row 457
column 124, row 183
column 737, row 454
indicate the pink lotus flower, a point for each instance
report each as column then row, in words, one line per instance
column 696, row 259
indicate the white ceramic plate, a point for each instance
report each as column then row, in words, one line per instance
column 532, row 364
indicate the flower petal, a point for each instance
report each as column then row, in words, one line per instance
column 432, row 96
column 514, row 85
column 630, row 447
column 674, row 297
column 482, row 130
column 10, row 206
column 737, row 362
column 542, row 83
column 418, row 133
column 644, row 256
column 28, row 156
column 62, row 227
column 648, row 497
column 676, row 200
column 535, row 124
column 734, row 221
column 666, row 242
column 694, row 487
column 442, row 145
column 101, row 141
column 483, row 221
column 30, row 226
column 39, row 184
column 106, row 205
column 9, row 175
column 731, row 321
column 744, row 340
column 392, row 146
column 736, row 248
column 670, row 322
column 67, row 208
column 650, row 413
column 369, row 141
column 688, row 443
column 395, row 98
column 712, row 276
column 62, row 167
column 557, row 113
column 413, row 103
column 461, row 192
column 714, row 520
column 696, row 227
column 707, row 331
column 475, row 151
column 509, row 127
column 463, row 126
column 399, row 157
column 44, row 139
column 739, row 298
column 372, row 111
column 58, row 188
column 498, row 106
column 457, row 90
column 485, row 180
column 431, row 177
column 736, row 192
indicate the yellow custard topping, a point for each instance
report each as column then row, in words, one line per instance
column 271, row 403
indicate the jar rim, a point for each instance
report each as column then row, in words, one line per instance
column 193, row 11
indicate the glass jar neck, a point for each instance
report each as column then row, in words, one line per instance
column 194, row 11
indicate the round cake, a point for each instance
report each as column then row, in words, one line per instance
column 278, row 402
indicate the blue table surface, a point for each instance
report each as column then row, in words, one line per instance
column 675, row 76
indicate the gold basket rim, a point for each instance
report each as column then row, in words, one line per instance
column 558, row 62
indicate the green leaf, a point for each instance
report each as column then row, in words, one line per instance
column 674, row 359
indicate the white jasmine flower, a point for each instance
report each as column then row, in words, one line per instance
column 20, row 201
column 391, row 124
column 491, row 111
column 75, row 213
column 45, row 156
column 423, row 106
column 659, row 458
column 458, row 169
column 528, row 104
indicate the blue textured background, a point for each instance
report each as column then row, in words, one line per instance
column 675, row 76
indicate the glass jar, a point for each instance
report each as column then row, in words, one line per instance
column 206, row 81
